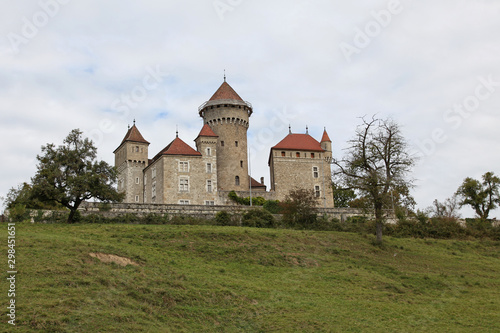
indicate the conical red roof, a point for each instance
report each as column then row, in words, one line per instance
column 207, row 131
column 299, row 142
column 178, row 147
column 134, row 135
column 325, row 137
column 225, row 92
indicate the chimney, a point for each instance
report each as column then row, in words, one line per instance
column 262, row 180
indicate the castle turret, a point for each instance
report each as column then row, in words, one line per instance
column 131, row 157
column 326, row 144
column 228, row 115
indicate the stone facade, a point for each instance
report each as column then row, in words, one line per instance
column 305, row 167
column 130, row 159
column 180, row 174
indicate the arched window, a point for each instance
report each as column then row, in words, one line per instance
column 237, row 180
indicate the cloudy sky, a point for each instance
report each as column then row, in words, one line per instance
column 433, row 66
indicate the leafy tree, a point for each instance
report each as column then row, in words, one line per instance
column 299, row 208
column 481, row 196
column 376, row 164
column 23, row 195
column 342, row 197
column 70, row 174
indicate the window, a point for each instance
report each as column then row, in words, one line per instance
column 209, row 185
column 236, row 143
column 137, row 181
column 184, row 185
column 209, row 167
column 315, row 172
column 153, row 190
column 183, row 166
column 312, row 155
column 241, row 164
column 209, row 152
column 297, row 154
column 283, row 154
column 209, row 203
column 145, row 179
column 237, row 180
column 183, row 202
column 136, row 149
column 136, row 198
column 317, row 191
column 153, row 173
column 222, row 143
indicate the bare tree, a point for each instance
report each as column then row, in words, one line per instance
column 447, row 209
column 377, row 163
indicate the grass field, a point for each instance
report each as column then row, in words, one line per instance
column 231, row 279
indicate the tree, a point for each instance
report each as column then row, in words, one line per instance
column 299, row 207
column 23, row 195
column 482, row 197
column 447, row 209
column 377, row 163
column 342, row 197
column 70, row 174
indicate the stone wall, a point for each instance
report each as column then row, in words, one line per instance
column 200, row 211
column 299, row 170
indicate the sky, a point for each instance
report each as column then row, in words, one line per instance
column 431, row 66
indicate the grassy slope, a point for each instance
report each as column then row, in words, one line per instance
column 226, row 279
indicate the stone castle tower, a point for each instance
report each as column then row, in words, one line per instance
column 131, row 157
column 228, row 115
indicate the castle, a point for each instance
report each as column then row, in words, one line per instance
column 180, row 174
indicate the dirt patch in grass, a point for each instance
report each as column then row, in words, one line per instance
column 122, row 261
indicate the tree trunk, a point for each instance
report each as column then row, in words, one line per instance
column 379, row 231
column 379, row 222
column 71, row 215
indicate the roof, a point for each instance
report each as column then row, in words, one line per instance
column 299, row 142
column 225, row 92
column 134, row 135
column 254, row 183
column 177, row 147
column 207, row 131
column 325, row 137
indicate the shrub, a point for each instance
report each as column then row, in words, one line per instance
column 19, row 213
column 223, row 218
column 258, row 201
column 259, row 218
column 272, row 206
column 299, row 209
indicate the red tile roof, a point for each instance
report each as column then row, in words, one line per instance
column 177, row 147
column 225, row 92
column 254, row 183
column 325, row 137
column 207, row 131
column 299, row 142
column 134, row 135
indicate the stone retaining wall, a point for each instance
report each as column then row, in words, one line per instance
column 200, row 211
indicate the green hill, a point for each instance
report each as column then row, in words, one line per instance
column 230, row 279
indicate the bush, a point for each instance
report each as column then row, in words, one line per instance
column 223, row 218
column 272, row 206
column 258, row 218
column 19, row 213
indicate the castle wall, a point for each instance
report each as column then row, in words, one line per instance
column 290, row 172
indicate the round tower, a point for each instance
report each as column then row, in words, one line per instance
column 228, row 116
